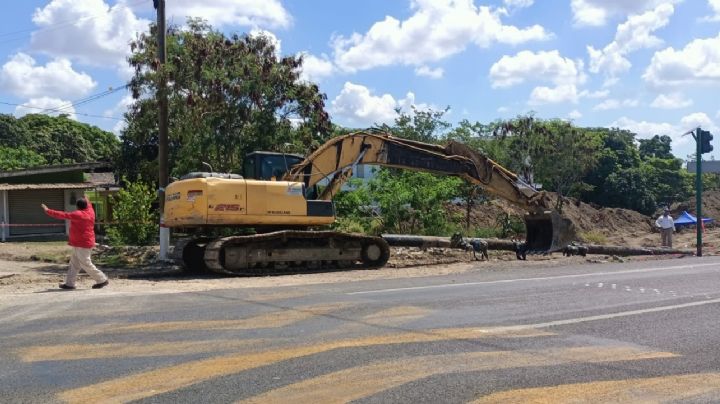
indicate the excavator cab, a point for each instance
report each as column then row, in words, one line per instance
column 268, row 166
column 262, row 165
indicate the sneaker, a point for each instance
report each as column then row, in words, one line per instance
column 68, row 287
column 100, row 285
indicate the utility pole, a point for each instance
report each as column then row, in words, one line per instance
column 162, row 126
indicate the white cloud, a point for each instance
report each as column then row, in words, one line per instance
column 715, row 6
column 615, row 104
column 575, row 114
column 597, row 12
column 437, row 29
column 550, row 66
column 547, row 95
column 698, row 119
column 271, row 37
column 248, row 13
column 697, row 63
column 503, row 110
column 118, row 111
column 594, row 94
column 47, row 106
column 526, row 66
column 98, row 35
column 634, row 34
column 23, row 78
column 316, row 68
column 426, row 71
column 518, row 3
column 671, row 101
column 646, row 129
column 360, row 107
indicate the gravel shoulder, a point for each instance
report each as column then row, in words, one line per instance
column 18, row 278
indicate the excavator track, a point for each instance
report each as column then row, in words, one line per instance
column 288, row 251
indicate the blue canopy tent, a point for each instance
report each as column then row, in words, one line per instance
column 686, row 219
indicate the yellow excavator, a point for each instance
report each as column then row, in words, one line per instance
column 279, row 199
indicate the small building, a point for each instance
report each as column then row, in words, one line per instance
column 58, row 187
column 708, row 166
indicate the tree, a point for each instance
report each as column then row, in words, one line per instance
column 423, row 126
column 657, row 146
column 57, row 140
column 525, row 137
column 413, row 202
column 18, row 158
column 618, row 154
column 567, row 154
column 228, row 96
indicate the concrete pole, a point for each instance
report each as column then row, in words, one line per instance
column 162, row 128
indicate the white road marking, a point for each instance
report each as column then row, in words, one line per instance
column 614, row 286
column 657, row 291
column 545, row 278
column 600, row 284
column 642, row 290
column 598, row 317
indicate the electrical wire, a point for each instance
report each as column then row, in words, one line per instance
column 61, row 111
column 93, row 97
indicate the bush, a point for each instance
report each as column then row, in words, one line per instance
column 136, row 220
column 486, row 232
column 510, row 226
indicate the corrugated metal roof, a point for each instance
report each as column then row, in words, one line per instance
column 101, row 178
column 54, row 169
column 19, row 187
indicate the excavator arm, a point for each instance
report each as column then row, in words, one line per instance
column 546, row 230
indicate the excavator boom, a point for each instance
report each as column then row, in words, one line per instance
column 546, row 230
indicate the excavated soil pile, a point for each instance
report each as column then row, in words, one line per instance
column 612, row 223
column 710, row 205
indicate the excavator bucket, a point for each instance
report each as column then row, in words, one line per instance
column 548, row 232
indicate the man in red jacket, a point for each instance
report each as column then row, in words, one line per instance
column 82, row 240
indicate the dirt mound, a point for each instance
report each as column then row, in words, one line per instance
column 710, row 205
column 611, row 224
column 606, row 221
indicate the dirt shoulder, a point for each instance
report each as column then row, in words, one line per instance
column 18, row 277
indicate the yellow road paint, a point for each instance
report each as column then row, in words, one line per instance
column 101, row 351
column 396, row 315
column 162, row 380
column 274, row 319
column 649, row 390
column 355, row 383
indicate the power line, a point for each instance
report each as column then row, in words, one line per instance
column 93, row 97
column 23, row 32
column 61, row 111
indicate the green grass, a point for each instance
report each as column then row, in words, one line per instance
column 594, row 237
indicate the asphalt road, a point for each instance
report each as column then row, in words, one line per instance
column 643, row 331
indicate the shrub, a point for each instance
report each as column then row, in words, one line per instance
column 136, row 220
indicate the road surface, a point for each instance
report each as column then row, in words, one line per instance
column 640, row 331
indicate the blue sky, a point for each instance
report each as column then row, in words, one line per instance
column 649, row 66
